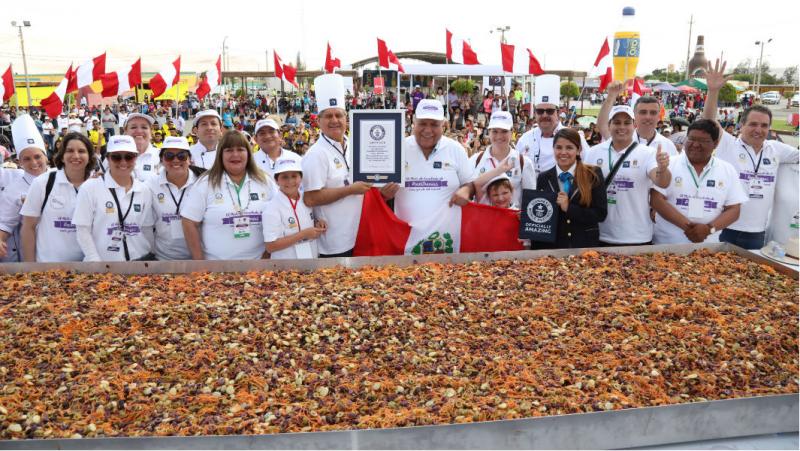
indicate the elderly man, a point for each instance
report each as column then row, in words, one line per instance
column 268, row 137
column 208, row 126
column 646, row 109
column 537, row 144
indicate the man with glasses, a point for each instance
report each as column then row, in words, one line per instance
column 647, row 110
column 537, row 144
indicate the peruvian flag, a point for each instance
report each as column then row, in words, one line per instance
column 331, row 63
column 602, row 66
column 459, row 51
column 285, row 72
column 638, row 90
column 7, row 86
column 210, row 80
column 166, row 78
column 387, row 58
column 90, row 71
column 471, row 228
column 519, row 61
column 54, row 103
column 116, row 83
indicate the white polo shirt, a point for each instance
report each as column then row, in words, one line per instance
column 201, row 156
column 167, row 202
column 430, row 183
column 56, row 240
column 757, row 175
column 267, row 164
column 540, row 150
column 716, row 187
column 628, row 220
column 327, row 165
column 223, row 213
column 281, row 219
column 95, row 207
column 666, row 144
column 12, row 197
column 147, row 166
column 523, row 176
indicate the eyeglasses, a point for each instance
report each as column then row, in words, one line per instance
column 702, row 142
column 543, row 111
column 181, row 156
column 117, row 157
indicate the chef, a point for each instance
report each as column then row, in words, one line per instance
column 268, row 137
column 208, row 126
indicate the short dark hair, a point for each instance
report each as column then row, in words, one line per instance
column 645, row 99
column 757, row 109
column 705, row 125
column 58, row 158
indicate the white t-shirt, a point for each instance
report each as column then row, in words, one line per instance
column 759, row 187
column 74, row 124
column 63, row 122
column 540, row 150
column 231, row 222
column 201, row 156
column 11, row 199
column 717, row 187
column 523, row 176
column 628, row 220
column 147, row 167
column 666, row 144
column 168, row 200
column 95, row 207
column 281, row 220
column 266, row 164
column 56, row 239
column 327, row 165
column 122, row 118
column 430, row 183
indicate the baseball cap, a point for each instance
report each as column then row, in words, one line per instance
column 121, row 143
column 175, row 142
column 266, row 123
column 143, row 116
column 617, row 109
column 430, row 109
column 287, row 165
column 206, row 113
column 501, row 120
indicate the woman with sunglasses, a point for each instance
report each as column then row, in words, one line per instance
column 48, row 234
column 169, row 191
column 114, row 213
column 222, row 215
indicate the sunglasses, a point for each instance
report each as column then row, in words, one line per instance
column 181, row 156
column 543, row 111
column 117, row 157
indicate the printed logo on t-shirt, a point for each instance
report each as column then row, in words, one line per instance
column 742, row 156
column 218, row 198
column 253, row 196
column 599, row 161
column 626, row 164
column 483, row 170
column 109, row 207
column 160, row 198
column 766, row 161
column 137, row 208
column 635, row 163
column 147, row 167
column 678, row 182
column 437, row 165
column 710, row 183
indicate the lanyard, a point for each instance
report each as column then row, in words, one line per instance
column 705, row 173
column 237, row 204
column 176, row 202
column 649, row 141
column 760, row 156
column 294, row 210
column 343, row 153
column 122, row 220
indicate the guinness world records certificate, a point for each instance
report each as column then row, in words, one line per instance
column 377, row 140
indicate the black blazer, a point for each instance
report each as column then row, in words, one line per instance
column 578, row 226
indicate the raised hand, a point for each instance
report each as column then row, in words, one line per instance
column 662, row 159
column 715, row 76
column 614, row 89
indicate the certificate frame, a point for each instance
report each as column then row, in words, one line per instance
column 374, row 161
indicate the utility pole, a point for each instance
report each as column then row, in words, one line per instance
column 502, row 30
column 25, row 23
column 689, row 46
column 760, row 62
column 224, row 59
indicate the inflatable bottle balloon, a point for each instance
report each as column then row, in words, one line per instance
column 626, row 46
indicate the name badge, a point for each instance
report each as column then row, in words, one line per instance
column 695, row 208
column 755, row 189
column 241, row 227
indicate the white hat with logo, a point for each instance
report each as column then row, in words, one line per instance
column 329, row 91
column 147, row 117
column 26, row 135
column 429, row 109
column 121, row 143
column 206, row 113
column 175, row 142
column 266, row 123
column 547, row 89
column 287, row 165
column 501, row 120
column 617, row 109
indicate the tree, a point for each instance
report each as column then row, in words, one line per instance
column 664, row 75
column 463, row 86
column 727, row 94
column 570, row 90
column 790, row 75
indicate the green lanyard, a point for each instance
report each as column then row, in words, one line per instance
column 705, row 173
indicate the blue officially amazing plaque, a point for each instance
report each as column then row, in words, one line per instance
column 539, row 217
column 377, row 142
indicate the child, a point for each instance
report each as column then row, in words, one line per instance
column 290, row 230
column 501, row 193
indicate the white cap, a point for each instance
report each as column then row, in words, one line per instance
column 547, row 89
column 429, row 109
column 121, row 143
column 206, row 113
column 329, row 90
column 502, row 120
column 175, row 142
column 143, row 116
column 616, row 109
column 26, row 135
column 502, row 176
column 266, row 123
column 287, row 165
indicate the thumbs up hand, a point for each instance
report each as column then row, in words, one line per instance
column 662, row 159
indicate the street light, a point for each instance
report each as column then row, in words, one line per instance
column 224, row 62
column 760, row 60
column 502, row 31
column 25, row 23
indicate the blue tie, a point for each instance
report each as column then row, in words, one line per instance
column 566, row 180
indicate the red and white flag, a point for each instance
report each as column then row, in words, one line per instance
column 387, row 58
column 331, row 63
column 210, row 80
column 459, row 51
column 638, row 90
column 7, row 86
column 90, row 71
column 118, row 82
column 166, row 78
column 517, row 60
column 54, row 103
column 285, row 72
column 602, row 66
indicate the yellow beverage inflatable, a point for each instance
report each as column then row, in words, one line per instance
column 626, row 47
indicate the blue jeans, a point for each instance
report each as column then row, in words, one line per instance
column 746, row 240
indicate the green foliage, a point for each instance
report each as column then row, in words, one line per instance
column 664, row 75
column 570, row 90
column 727, row 94
column 463, row 85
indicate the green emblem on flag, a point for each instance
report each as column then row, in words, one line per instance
column 435, row 244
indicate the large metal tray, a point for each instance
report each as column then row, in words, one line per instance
column 614, row 429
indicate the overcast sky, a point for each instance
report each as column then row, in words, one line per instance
column 564, row 35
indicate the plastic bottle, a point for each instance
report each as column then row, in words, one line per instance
column 626, row 46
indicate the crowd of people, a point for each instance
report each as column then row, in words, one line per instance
column 135, row 182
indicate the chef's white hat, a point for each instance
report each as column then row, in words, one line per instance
column 329, row 91
column 26, row 135
column 547, row 89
